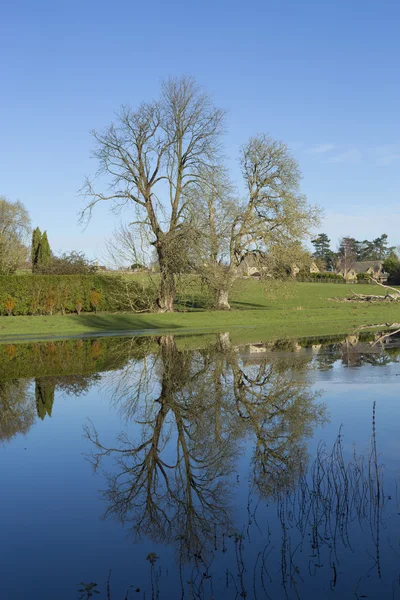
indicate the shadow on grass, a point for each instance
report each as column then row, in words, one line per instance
column 182, row 303
column 239, row 305
column 122, row 322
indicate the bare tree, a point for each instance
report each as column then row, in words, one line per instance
column 150, row 158
column 268, row 224
column 124, row 249
column 347, row 254
column 15, row 228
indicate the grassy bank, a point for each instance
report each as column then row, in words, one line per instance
column 308, row 310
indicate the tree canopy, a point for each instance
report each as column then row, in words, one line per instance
column 269, row 223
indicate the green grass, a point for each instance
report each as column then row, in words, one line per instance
column 308, row 311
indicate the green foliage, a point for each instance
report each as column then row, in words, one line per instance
column 326, row 276
column 376, row 249
column 364, row 278
column 36, row 239
column 44, row 252
column 40, row 251
column 392, row 266
column 323, row 251
column 51, row 294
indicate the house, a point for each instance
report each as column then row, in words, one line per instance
column 312, row 268
column 373, row 268
column 252, row 266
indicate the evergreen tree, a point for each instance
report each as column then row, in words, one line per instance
column 44, row 253
column 381, row 248
column 323, row 251
column 365, row 250
column 36, row 239
column 376, row 249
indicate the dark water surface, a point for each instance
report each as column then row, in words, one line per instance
column 196, row 468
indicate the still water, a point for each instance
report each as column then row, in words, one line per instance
column 196, row 467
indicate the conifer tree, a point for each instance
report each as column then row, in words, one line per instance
column 44, row 253
column 36, row 239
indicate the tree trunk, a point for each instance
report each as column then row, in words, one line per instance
column 166, row 294
column 224, row 342
column 221, row 300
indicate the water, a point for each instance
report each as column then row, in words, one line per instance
column 193, row 467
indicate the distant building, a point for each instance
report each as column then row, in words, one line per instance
column 252, row 266
column 373, row 268
column 312, row 268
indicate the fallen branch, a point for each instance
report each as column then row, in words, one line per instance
column 387, row 287
column 373, row 297
column 377, row 326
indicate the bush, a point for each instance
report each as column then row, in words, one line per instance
column 364, row 278
column 61, row 294
column 326, row 277
column 69, row 263
column 392, row 267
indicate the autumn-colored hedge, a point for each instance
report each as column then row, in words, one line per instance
column 61, row 294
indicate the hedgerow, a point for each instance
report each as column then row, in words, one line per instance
column 62, row 294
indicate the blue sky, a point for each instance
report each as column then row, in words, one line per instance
column 322, row 76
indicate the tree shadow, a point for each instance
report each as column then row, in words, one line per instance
column 238, row 304
column 122, row 323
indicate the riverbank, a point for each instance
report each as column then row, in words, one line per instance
column 309, row 310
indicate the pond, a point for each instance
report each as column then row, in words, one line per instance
column 196, row 467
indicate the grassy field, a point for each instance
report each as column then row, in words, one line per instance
column 309, row 310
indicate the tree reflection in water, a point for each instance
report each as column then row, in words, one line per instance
column 175, row 483
column 17, row 410
column 191, row 416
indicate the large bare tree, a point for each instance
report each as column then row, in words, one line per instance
column 149, row 159
column 269, row 223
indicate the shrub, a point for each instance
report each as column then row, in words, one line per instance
column 364, row 278
column 69, row 263
column 324, row 276
column 52, row 294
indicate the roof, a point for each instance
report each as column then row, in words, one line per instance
column 364, row 265
column 249, row 261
